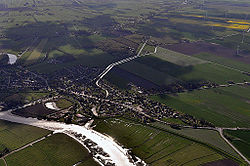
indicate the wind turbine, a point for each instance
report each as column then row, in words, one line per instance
column 243, row 36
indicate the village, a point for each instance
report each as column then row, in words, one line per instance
column 77, row 84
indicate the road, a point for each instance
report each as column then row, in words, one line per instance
column 27, row 145
column 46, row 82
column 109, row 67
column 5, row 162
column 220, row 130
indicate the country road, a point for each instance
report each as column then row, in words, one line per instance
column 109, row 67
column 220, row 130
column 229, row 143
column 27, row 145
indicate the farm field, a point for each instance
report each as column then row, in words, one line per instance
column 13, row 135
column 234, row 41
column 224, row 107
column 213, row 52
column 210, row 137
column 56, row 150
column 177, row 58
column 97, row 58
column 37, row 53
column 231, row 63
column 157, row 147
column 162, row 71
column 66, row 44
column 240, row 139
column 215, row 73
column 61, row 27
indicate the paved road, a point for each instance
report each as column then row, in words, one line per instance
column 109, row 67
column 229, row 143
column 220, row 130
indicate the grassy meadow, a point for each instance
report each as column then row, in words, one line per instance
column 156, row 147
column 13, row 135
column 56, row 150
column 177, row 58
column 240, row 139
column 168, row 67
column 63, row 103
column 76, row 28
column 224, row 107
column 2, row 162
column 210, row 137
column 36, row 54
column 25, row 97
column 231, row 63
column 60, row 34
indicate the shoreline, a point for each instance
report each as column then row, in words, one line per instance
column 104, row 148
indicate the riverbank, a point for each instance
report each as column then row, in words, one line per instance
column 103, row 148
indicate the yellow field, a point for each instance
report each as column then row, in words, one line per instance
column 239, row 22
column 232, row 26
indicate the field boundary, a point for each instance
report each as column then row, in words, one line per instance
column 218, row 150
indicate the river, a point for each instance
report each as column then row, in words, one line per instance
column 116, row 153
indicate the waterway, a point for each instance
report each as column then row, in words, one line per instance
column 116, row 153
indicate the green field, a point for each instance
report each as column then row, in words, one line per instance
column 210, row 137
column 92, row 59
column 240, row 139
column 226, row 107
column 61, row 34
column 177, row 58
column 26, row 97
column 224, row 61
column 162, row 72
column 156, row 147
column 2, row 162
column 63, row 103
column 13, row 135
column 77, row 27
column 37, row 52
column 56, row 150
column 214, row 73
